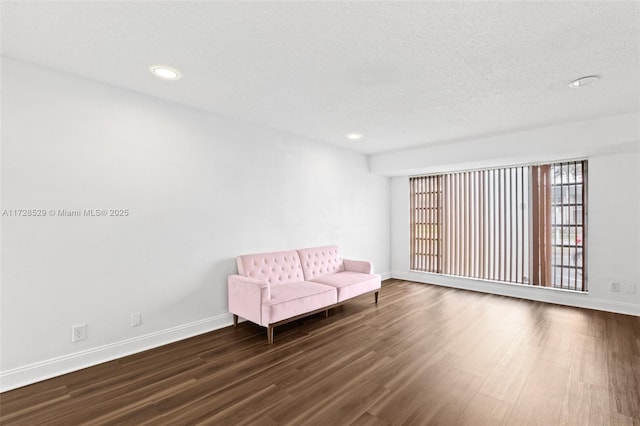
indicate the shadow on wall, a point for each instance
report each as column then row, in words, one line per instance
column 221, row 270
column 208, row 296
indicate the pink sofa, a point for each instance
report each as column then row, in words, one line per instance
column 275, row 288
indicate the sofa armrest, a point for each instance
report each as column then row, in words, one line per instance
column 361, row 266
column 246, row 296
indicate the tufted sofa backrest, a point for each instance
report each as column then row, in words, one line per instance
column 275, row 268
column 319, row 261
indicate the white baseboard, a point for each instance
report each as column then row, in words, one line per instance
column 32, row 373
column 385, row 275
column 548, row 295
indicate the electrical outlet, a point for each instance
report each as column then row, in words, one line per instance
column 78, row 332
column 136, row 319
column 615, row 286
column 631, row 288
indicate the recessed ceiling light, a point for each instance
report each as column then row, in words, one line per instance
column 165, row 72
column 583, row 81
column 354, row 136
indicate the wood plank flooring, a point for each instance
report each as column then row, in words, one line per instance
column 424, row 355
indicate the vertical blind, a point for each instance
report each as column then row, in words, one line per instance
column 520, row 224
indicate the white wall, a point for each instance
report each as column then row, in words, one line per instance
column 613, row 204
column 200, row 190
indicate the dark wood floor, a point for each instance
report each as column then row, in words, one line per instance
column 423, row 355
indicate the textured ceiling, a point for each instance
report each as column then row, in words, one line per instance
column 401, row 73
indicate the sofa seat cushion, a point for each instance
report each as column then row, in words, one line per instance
column 350, row 284
column 292, row 299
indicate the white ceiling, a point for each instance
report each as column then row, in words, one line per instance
column 401, row 73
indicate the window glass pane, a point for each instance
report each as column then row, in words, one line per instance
column 519, row 224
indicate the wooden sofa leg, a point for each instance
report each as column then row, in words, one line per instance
column 235, row 320
column 326, row 313
column 376, row 296
column 270, row 334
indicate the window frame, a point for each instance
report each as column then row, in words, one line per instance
column 466, row 203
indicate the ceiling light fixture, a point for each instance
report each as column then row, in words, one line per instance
column 165, row 72
column 354, row 136
column 583, row 81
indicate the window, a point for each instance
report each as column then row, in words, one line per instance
column 522, row 224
